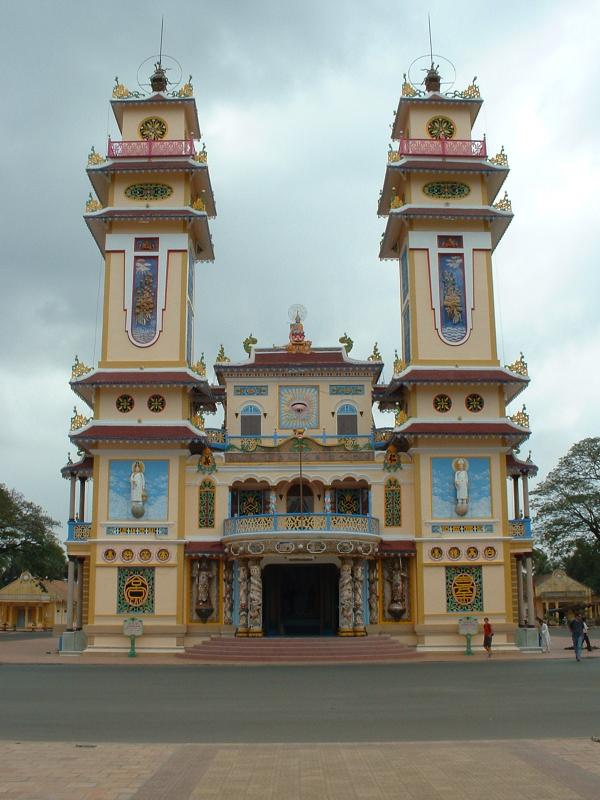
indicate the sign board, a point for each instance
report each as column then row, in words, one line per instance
column 133, row 627
column 468, row 626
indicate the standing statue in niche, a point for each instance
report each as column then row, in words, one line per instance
column 204, row 606
column 461, row 483
column 138, row 489
column 397, row 605
column 346, row 596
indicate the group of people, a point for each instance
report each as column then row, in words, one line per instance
column 577, row 626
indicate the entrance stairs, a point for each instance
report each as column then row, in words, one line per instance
column 300, row 650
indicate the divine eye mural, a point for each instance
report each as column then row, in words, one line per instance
column 460, row 487
column 298, row 407
column 138, row 490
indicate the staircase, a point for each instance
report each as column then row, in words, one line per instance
column 300, row 650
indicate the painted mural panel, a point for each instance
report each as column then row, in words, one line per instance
column 460, row 487
column 145, row 295
column 404, row 275
column 453, row 311
column 298, row 407
column 138, row 490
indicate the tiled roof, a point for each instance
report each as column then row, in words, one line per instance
column 461, row 428
column 145, row 377
column 136, row 433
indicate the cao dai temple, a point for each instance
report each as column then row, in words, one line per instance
column 298, row 517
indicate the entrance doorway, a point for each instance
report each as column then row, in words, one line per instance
column 300, row 599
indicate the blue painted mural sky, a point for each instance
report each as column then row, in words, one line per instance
column 156, row 477
column 443, row 490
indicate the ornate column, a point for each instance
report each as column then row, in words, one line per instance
column 79, row 607
column 82, row 499
column 515, row 479
column 346, row 626
column 73, row 482
column 227, row 593
column 524, row 479
column 70, row 588
column 520, row 591
column 358, row 575
column 530, row 592
column 373, row 593
column 243, row 584
column 255, row 599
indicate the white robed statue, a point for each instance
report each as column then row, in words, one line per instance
column 461, row 484
column 138, row 489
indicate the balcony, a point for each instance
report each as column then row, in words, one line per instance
column 147, row 148
column 220, row 439
column 300, row 523
column 447, row 148
column 78, row 531
column 520, row 528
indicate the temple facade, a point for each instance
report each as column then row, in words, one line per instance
column 298, row 516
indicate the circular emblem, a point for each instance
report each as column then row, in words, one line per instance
column 472, row 553
column 156, row 403
column 436, row 553
column 256, row 548
column 109, row 554
column 442, row 403
column 345, row 547
column 441, row 128
column 285, row 547
column 153, row 128
column 127, row 554
column 163, row 554
column 316, row 547
column 124, row 403
column 136, row 590
column 474, row 402
column 489, row 552
column 145, row 554
column 454, row 553
column 464, row 589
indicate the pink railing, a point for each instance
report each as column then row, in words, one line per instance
column 472, row 148
column 147, row 148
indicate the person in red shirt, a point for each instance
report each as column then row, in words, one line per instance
column 488, row 633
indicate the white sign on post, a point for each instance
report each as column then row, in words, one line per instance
column 133, row 627
column 468, row 626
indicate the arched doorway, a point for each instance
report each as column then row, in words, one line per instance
column 300, row 599
column 300, row 499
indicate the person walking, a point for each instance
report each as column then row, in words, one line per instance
column 488, row 633
column 576, row 626
column 586, row 638
column 544, row 637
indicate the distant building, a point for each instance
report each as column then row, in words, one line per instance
column 32, row 603
column 298, row 516
column 558, row 596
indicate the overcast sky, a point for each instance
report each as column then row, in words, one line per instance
column 295, row 102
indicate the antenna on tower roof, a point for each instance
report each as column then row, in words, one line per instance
column 430, row 43
column 162, row 24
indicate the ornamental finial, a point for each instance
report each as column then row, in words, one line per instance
column 221, row 357
column 78, row 369
column 249, row 343
column 78, row 420
column 347, row 342
column 398, row 364
column 200, row 367
column 375, row 355
column 519, row 366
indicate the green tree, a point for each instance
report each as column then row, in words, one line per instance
column 567, row 502
column 542, row 564
column 583, row 564
column 27, row 540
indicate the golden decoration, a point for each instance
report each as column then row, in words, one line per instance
column 500, row 159
column 397, row 200
column 472, row 91
column 519, row 366
column 78, row 420
column 347, row 342
column 521, row 417
column 201, row 156
column 120, row 91
column 398, row 363
column 198, row 204
column 440, row 127
column 92, row 205
column 136, row 590
column 78, row 369
column 187, row 90
column 221, row 357
column 408, row 89
column 200, row 367
column 464, row 589
column 400, row 417
column 375, row 355
column 249, row 343
column 504, row 204
column 152, row 129
column 393, row 155
column 95, row 158
column 197, row 420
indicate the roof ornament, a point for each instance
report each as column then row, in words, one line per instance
column 503, row 204
column 249, row 343
column 500, row 159
column 78, row 369
column 521, row 418
column 298, row 342
column 398, row 364
column 78, row 420
column 375, row 355
column 200, row 367
column 347, row 342
column 92, row 205
column 95, row 158
column 121, row 92
column 221, row 357
column 519, row 366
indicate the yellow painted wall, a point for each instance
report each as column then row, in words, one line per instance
column 176, row 182
column 419, row 117
column 173, row 116
column 176, row 408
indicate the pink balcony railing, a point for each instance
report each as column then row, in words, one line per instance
column 147, row 148
column 471, row 148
